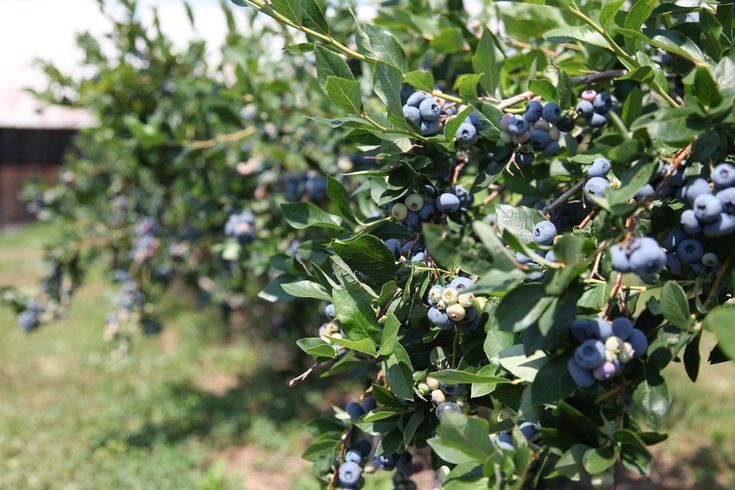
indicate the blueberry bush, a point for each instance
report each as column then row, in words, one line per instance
column 537, row 236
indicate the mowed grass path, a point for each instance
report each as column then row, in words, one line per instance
column 187, row 411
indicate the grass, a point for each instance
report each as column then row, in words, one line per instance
column 185, row 410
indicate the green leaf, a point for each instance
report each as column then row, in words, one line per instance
column 522, row 307
column 608, row 11
column 495, row 342
column 584, row 34
column 521, row 366
column 338, row 195
column 564, row 87
column 671, row 41
column 345, row 93
column 313, row 16
column 501, row 257
column 720, row 321
column 462, row 439
column 676, row 126
column 365, row 346
column 367, row 254
column 291, row 9
column 330, row 64
column 314, row 346
column 552, row 383
column 485, row 63
column 399, row 373
column 355, row 314
column 706, row 89
column 420, row 79
column 639, row 13
column 389, row 338
column 481, row 389
column 599, row 459
column 449, row 40
column 306, row 289
column 456, row 376
column 544, row 88
column 387, row 85
column 653, row 400
column 675, row 306
column 301, row 215
column 381, row 44
column 518, row 220
column 448, row 251
column 570, row 464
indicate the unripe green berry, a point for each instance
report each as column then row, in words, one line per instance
column 466, row 299
column 710, row 260
column 399, row 211
column 456, row 312
column 435, row 294
column 424, row 389
column 414, row 202
column 437, row 396
column 479, row 303
column 626, row 353
column 603, row 480
column 433, row 384
column 613, row 344
column 449, row 296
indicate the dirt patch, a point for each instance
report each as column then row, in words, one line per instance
column 258, row 471
column 218, row 383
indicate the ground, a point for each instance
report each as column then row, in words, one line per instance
column 187, row 410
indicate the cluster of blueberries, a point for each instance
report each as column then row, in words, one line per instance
column 439, row 391
column 451, row 307
column 540, row 127
column 309, row 184
column 711, row 214
column 331, row 329
column 504, row 440
column 544, row 233
column 604, row 348
column 29, row 319
column 466, row 133
column 146, row 242
column 682, row 249
column 594, row 107
column 425, row 112
column 418, row 208
column 241, row 226
column 641, row 255
column 597, row 181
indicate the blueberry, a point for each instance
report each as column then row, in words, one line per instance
column 534, row 111
column 492, row 218
column 552, row 112
column 600, row 167
column 386, row 462
column 645, row 192
column 550, row 256
column 580, row 329
column 349, row 473
column 606, row 371
column 426, row 211
column 439, row 318
column 539, row 138
column 622, row 327
column 430, row 109
column 364, row 447
column 590, row 354
column 466, row 134
column 553, row 148
column 529, row 430
column 354, row 410
column 429, row 128
column 723, row 225
column 460, row 283
column 505, row 121
column 447, row 203
column 602, row 103
column 727, row 198
column 27, row 320
column 585, row 109
column 517, row 126
column 475, row 120
column 329, row 311
column 673, row 263
column 566, row 123
column 412, row 114
column 639, row 342
column 395, row 245
column 690, row 250
column 582, row 377
column 599, row 328
column 450, row 389
column 696, row 188
column 596, row 186
column 723, row 175
column 647, row 258
column 673, row 239
column 597, row 120
column 447, row 407
column 524, row 159
column 589, row 95
column 544, row 233
column 690, row 222
column 707, row 208
column 413, row 221
column 353, row 456
column 523, row 258
column 505, row 441
column 416, row 98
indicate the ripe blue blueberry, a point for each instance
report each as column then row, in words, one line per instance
column 394, row 245
column 460, row 283
column 413, row 221
column 582, row 377
column 416, row 98
column 673, row 239
column 690, row 250
column 427, row 211
column 517, row 125
column 647, row 257
column 723, row 225
column 447, row 203
column 442, row 408
column 707, row 208
column 596, row 186
column 590, row 355
column 430, row 109
column 529, row 430
column 566, row 123
column 369, row 403
column 597, row 120
column 602, row 103
column 439, row 318
column 600, row 167
column 599, row 328
column 505, row 441
column 585, row 109
column 639, row 342
column 523, row 258
column 723, row 175
column 450, row 389
column 466, row 134
column 429, row 128
column 727, row 198
column 364, row 447
column 673, row 263
column 580, row 329
column 353, row 456
column 349, row 473
column 354, row 410
column 412, row 114
column 539, row 138
column 696, row 188
column 645, row 192
column 329, row 311
column 544, row 233
column 475, row 120
column 534, row 111
column 553, row 148
column 550, row 256
column 524, row 159
column 622, row 327
column 690, row 222
column 551, row 112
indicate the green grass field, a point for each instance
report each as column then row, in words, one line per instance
column 187, row 410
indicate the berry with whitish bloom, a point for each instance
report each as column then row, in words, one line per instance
column 620, row 259
column 580, row 329
column 28, row 320
column 529, row 430
column 435, row 294
column 605, row 371
column 551, row 112
column 599, row 328
column 523, row 258
column 354, row 410
column 456, row 312
column 596, row 186
column 439, row 318
column 707, row 208
column 727, row 199
column 544, row 233
column 589, row 95
column 645, row 192
column 539, row 138
column 475, row 119
column 412, row 114
column 353, row 456
column 597, row 120
column 466, row 134
column 600, row 167
column 330, row 312
column 695, row 188
column 399, row 211
column 550, row 256
column 447, row 203
column 517, row 126
column 723, row 175
column 438, row 396
column 505, row 441
column 416, row 98
column 364, row 447
column 585, row 109
column 602, row 103
column 690, row 222
column 553, row 148
column 723, row 225
column 647, row 257
column 590, row 355
column 394, row 245
column 505, row 121
column 430, row 109
column 429, row 128
column 466, row 299
column 450, row 295
column 414, row 202
column 427, row 211
column 582, row 377
column 690, row 250
column 447, row 407
column 534, row 110
column 349, row 473
column 622, row 327
column 638, row 342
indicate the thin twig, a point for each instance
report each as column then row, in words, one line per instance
column 304, row 375
column 566, row 195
